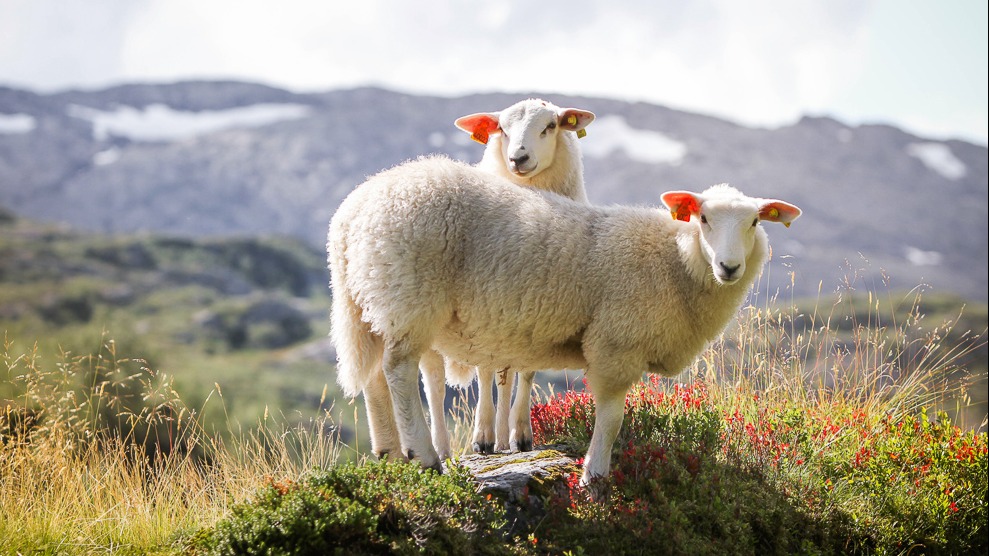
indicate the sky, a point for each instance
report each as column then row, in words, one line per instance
column 918, row 64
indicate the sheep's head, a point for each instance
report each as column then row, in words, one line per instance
column 728, row 223
column 529, row 132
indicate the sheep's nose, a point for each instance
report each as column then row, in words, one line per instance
column 729, row 270
column 519, row 160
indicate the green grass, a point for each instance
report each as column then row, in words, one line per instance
column 233, row 314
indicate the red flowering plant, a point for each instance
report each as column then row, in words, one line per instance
column 669, row 480
column 911, row 478
column 769, row 470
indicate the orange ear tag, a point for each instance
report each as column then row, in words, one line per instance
column 681, row 214
column 481, row 136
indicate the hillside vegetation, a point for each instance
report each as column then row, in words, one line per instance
column 246, row 315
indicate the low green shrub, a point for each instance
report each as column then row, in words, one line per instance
column 378, row 508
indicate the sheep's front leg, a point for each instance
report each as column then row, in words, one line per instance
column 483, row 441
column 381, row 417
column 609, row 410
column 521, row 435
column 401, row 367
column 434, row 381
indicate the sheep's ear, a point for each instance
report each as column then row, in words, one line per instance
column 778, row 211
column 480, row 126
column 682, row 204
column 574, row 119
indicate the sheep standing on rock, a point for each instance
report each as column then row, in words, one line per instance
column 533, row 144
column 438, row 256
column 527, row 144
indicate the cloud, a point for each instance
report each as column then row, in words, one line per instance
column 761, row 62
column 48, row 44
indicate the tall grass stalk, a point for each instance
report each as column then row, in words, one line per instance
column 871, row 351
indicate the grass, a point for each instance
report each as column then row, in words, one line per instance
column 243, row 313
column 99, row 454
column 853, row 427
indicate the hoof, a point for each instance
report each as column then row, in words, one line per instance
column 483, row 447
column 437, row 467
column 392, row 454
column 522, row 445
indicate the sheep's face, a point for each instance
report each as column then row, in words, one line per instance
column 728, row 223
column 529, row 132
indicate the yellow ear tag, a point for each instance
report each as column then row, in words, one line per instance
column 787, row 224
column 774, row 213
column 581, row 133
column 572, row 120
column 480, row 136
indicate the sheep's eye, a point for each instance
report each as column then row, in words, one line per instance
column 754, row 222
column 703, row 219
column 551, row 126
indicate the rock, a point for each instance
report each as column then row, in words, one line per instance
column 523, row 480
column 516, row 476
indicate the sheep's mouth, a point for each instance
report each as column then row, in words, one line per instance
column 726, row 280
column 519, row 171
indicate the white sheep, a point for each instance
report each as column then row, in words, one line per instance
column 526, row 144
column 438, row 256
column 533, row 144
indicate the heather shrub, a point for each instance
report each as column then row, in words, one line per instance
column 378, row 508
column 695, row 476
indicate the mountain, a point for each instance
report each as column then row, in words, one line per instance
column 228, row 158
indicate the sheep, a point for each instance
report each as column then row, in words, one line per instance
column 526, row 144
column 438, row 256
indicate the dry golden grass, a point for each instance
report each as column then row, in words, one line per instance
column 75, row 466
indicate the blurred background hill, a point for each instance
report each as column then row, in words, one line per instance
column 200, row 159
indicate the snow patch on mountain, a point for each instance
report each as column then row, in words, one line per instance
column 11, row 124
column 609, row 134
column 919, row 257
column 938, row 158
column 158, row 122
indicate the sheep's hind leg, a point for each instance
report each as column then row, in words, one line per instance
column 504, row 380
column 521, row 422
column 483, row 441
column 434, row 381
column 401, row 366
column 381, row 417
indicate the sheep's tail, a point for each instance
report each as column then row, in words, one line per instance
column 359, row 350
